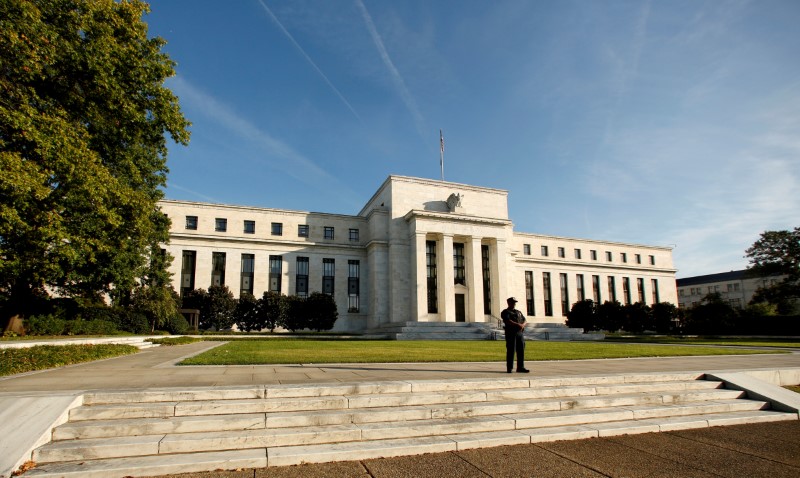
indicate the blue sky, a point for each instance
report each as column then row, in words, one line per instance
column 654, row 122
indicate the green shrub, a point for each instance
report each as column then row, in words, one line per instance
column 45, row 325
column 90, row 327
column 129, row 321
column 583, row 315
column 177, row 325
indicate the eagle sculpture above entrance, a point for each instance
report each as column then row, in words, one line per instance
column 454, row 202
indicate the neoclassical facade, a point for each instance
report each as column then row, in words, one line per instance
column 420, row 250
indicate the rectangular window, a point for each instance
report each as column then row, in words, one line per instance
column 626, row 290
column 191, row 222
column 301, row 277
column 596, row 289
column 248, row 272
column 638, row 258
column 218, row 268
column 577, row 253
column 652, row 260
column 276, row 229
column 561, row 252
column 249, row 227
column 593, row 254
column 187, row 271
column 526, row 249
column 430, row 266
column 623, row 256
column 564, row 294
column 352, row 285
column 487, row 290
column 609, row 256
column 220, row 224
column 328, row 271
column 736, row 286
column 531, row 311
column 353, row 235
column 612, row 289
column 459, row 269
column 328, row 232
column 275, row 271
column 579, row 283
column 544, row 251
column 654, row 286
column 302, row 230
column 548, row 300
column 640, row 287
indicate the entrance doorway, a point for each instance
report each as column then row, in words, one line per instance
column 461, row 309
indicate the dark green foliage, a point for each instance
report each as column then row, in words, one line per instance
column 713, row 316
column 272, row 308
column 583, row 315
column 131, row 321
column 177, row 325
column 216, row 306
column 777, row 253
column 667, row 318
column 637, row 318
column 246, row 313
column 45, row 325
column 322, row 311
column 609, row 316
column 296, row 313
column 84, row 116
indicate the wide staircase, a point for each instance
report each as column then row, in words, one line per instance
column 154, row 432
column 476, row 331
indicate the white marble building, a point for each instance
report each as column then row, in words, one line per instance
column 419, row 250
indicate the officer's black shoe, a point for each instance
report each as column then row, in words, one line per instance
column 523, row 370
column 509, row 370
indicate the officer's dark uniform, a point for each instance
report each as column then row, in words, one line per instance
column 515, row 339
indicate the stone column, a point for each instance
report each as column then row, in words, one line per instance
column 501, row 267
column 419, row 296
column 474, row 279
column 444, row 265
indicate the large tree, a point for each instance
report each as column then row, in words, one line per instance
column 84, row 115
column 777, row 253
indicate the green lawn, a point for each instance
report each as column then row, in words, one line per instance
column 728, row 341
column 293, row 351
column 13, row 361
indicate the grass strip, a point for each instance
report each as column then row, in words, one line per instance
column 39, row 357
column 726, row 341
column 294, row 351
column 183, row 340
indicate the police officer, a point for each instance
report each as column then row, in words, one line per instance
column 514, row 325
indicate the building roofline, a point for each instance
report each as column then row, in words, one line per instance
column 256, row 208
column 431, row 182
column 594, row 241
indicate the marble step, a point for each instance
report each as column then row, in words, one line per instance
column 261, row 457
column 461, row 422
column 245, row 406
column 358, row 388
column 521, row 410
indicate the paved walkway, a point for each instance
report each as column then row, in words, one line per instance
column 763, row 450
column 156, row 367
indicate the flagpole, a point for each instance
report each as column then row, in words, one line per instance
column 441, row 153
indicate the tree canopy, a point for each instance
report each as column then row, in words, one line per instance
column 777, row 253
column 84, row 115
